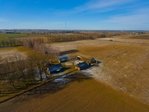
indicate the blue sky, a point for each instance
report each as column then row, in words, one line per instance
column 75, row 14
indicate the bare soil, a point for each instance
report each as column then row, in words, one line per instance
column 79, row 96
column 120, row 84
column 125, row 63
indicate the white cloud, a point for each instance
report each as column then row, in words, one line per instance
column 135, row 20
column 96, row 6
column 100, row 4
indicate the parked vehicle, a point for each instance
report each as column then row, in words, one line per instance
column 83, row 65
column 94, row 62
column 63, row 58
column 56, row 68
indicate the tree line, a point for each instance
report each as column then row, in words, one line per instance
column 21, row 73
column 10, row 43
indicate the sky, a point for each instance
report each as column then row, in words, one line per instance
column 75, row 14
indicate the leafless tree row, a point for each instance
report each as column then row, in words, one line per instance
column 22, row 73
column 10, row 43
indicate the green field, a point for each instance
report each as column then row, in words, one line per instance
column 10, row 36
